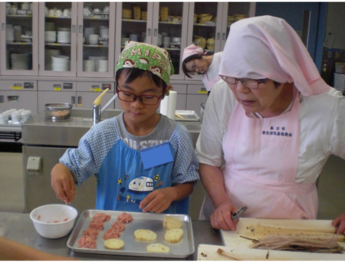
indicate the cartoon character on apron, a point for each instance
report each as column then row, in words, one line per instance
column 261, row 165
column 123, row 182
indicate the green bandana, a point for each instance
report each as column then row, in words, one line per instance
column 147, row 57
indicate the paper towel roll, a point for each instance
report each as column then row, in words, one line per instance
column 168, row 105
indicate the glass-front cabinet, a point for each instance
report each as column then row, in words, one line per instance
column 58, row 38
column 19, row 38
column 172, row 31
column 96, row 27
column 159, row 23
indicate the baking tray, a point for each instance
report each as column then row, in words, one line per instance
column 133, row 247
column 187, row 115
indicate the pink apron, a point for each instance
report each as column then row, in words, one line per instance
column 261, row 164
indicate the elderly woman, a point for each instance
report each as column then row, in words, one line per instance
column 267, row 134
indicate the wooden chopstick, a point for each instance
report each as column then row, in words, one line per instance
column 224, row 253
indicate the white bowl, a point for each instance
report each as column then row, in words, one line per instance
column 53, row 221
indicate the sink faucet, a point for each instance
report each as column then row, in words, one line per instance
column 97, row 111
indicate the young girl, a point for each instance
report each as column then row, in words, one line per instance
column 112, row 149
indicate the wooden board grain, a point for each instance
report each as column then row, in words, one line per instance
column 209, row 252
column 256, row 228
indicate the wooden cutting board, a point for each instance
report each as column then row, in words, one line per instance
column 209, row 252
column 254, row 228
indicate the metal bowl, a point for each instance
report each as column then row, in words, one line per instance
column 59, row 111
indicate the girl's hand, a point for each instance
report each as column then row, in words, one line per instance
column 339, row 222
column 158, row 200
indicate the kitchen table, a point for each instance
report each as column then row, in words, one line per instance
column 18, row 227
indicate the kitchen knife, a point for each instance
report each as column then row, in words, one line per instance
column 237, row 214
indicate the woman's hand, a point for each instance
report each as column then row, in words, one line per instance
column 221, row 217
column 62, row 182
column 158, row 200
column 339, row 222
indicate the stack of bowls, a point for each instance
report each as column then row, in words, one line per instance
column 48, row 57
column 64, row 35
column 50, row 36
column 60, row 63
column 102, row 66
column 19, row 61
column 89, row 65
column 93, row 38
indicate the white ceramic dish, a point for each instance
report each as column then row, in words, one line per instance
column 53, row 221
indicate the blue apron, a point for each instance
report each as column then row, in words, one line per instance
column 122, row 181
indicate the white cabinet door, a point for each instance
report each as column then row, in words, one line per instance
column 231, row 12
column 58, row 39
column 133, row 22
column 18, row 99
column 170, row 27
column 96, row 38
column 19, row 38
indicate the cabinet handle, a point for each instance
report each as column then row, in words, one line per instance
column 218, row 36
column 224, row 36
column 73, row 28
column 80, row 29
column 149, row 32
column 1, row 98
column 3, row 26
column 73, row 100
column 155, row 32
column 80, row 100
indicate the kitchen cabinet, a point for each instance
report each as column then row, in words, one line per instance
column 181, row 99
column 159, row 23
column 57, row 39
column 19, row 38
column 87, row 92
column 196, row 94
column 96, row 57
column 18, row 94
column 56, row 91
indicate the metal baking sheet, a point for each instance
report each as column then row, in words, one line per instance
column 133, row 247
column 187, row 115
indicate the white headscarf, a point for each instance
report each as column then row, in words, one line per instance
column 268, row 47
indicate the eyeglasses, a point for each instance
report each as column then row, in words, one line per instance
column 144, row 99
column 248, row 83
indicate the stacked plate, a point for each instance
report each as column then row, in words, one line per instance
column 50, row 36
column 102, row 66
column 19, row 61
column 64, row 37
column 48, row 57
column 89, row 65
column 60, row 63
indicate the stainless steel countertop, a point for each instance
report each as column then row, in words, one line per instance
column 19, row 227
column 41, row 130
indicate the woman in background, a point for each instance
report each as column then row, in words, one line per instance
column 194, row 60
